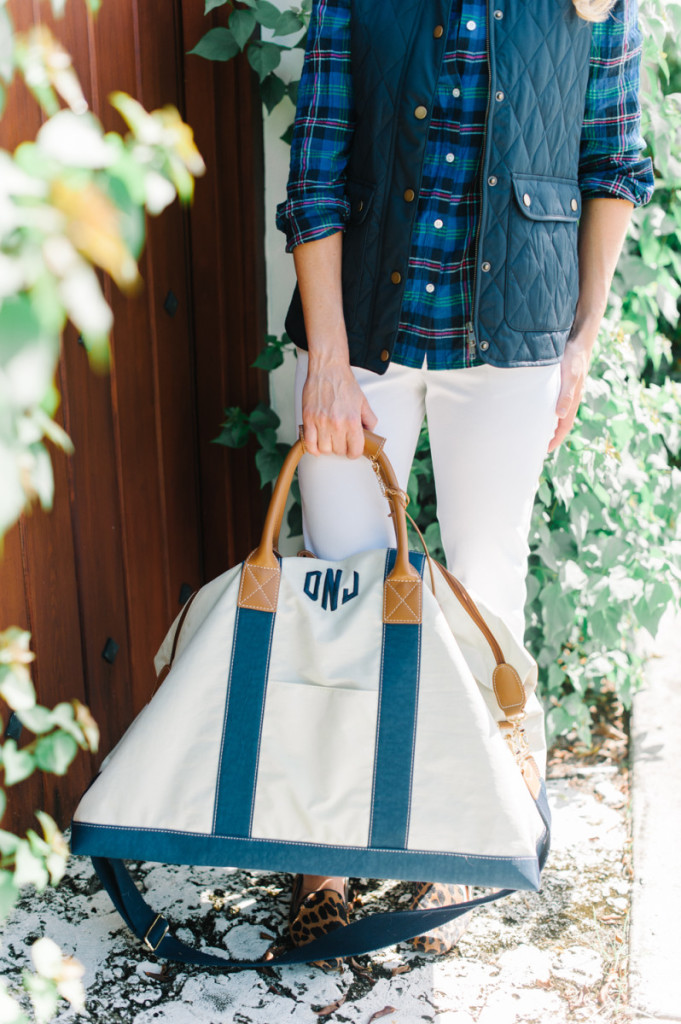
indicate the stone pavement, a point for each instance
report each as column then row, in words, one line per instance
column 557, row 957
column 550, row 958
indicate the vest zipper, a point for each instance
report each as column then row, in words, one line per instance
column 470, row 326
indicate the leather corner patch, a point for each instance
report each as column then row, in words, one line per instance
column 259, row 588
column 508, row 689
column 402, row 601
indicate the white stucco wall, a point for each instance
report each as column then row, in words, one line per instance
column 280, row 274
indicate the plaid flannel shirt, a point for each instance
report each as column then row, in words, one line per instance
column 438, row 296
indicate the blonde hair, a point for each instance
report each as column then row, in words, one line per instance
column 593, row 10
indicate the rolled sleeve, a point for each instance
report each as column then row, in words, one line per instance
column 610, row 153
column 316, row 204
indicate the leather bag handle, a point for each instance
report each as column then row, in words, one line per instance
column 262, row 571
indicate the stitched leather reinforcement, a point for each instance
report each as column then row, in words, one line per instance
column 508, row 690
column 402, row 601
column 259, row 587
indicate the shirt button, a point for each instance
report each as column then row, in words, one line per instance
column 450, row 158
column 486, row 266
column 527, row 200
column 430, row 288
column 456, row 92
column 409, row 195
column 395, row 277
column 420, row 113
column 438, row 223
column 492, row 180
column 484, row 345
column 498, row 15
column 385, row 355
column 574, row 204
column 500, row 95
column 471, row 26
column 438, row 31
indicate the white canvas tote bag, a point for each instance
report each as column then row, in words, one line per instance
column 357, row 718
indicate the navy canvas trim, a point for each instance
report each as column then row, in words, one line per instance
column 168, row 847
column 395, row 727
column 244, row 703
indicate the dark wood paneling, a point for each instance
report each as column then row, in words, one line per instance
column 147, row 502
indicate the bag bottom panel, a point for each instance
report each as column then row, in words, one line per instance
column 168, row 847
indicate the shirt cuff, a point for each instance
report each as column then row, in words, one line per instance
column 633, row 181
column 311, row 217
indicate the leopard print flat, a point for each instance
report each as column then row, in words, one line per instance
column 315, row 915
column 438, row 894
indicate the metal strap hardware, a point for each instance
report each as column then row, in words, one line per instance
column 147, row 943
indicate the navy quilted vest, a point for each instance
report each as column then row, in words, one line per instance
column 526, row 284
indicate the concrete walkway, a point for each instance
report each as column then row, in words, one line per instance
column 552, row 958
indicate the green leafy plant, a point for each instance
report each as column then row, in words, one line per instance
column 72, row 202
column 242, row 34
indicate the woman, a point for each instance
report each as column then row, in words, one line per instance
column 462, row 178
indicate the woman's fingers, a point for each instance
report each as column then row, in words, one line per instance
column 334, row 413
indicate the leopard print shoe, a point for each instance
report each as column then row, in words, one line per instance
column 438, row 894
column 315, row 915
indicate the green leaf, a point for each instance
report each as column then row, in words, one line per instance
column 288, row 23
column 269, row 462
column 267, row 14
column 55, row 752
column 38, row 719
column 263, row 418
column 217, row 44
column 235, row 429
column 292, row 90
column 294, row 519
column 211, row 5
column 9, row 893
column 29, row 868
column 263, row 58
column 44, row 996
column 18, row 764
column 242, row 25
column 272, row 90
column 6, row 47
column 287, row 136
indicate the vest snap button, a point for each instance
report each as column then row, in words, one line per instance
column 385, row 355
column 409, row 195
column 395, row 277
column 498, row 15
column 500, row 96
column 360, row 206
column 484, row 345
column 420, row 113
column 574, row 204
column 492, row 180
column 438, row 31
column 527, row 200
column 486, row 266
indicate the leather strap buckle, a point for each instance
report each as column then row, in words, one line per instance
column 151, row 927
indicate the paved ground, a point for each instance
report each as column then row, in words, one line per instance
column 557, row 957
column 553, row 958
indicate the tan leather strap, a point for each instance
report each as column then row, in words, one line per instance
column 261, row 572
column 508, row 687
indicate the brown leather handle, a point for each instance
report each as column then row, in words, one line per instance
column 260, row 579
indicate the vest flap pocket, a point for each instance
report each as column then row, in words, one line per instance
column 547, row 198
column 360, row 196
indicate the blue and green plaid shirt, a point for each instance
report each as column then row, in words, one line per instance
column 438, row 297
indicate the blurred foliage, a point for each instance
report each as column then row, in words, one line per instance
column 72, row 203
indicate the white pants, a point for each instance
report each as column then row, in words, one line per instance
column 489, row 432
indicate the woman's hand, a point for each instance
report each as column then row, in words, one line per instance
column 573, row 373
column 335, row 411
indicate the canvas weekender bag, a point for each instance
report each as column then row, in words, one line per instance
column 335, row 718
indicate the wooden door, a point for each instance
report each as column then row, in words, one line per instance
column 148, row 508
